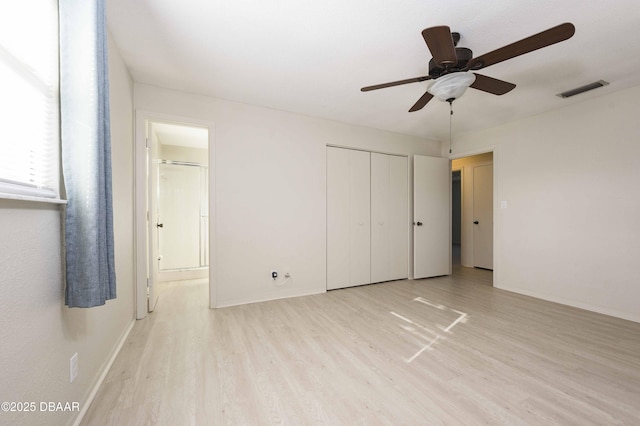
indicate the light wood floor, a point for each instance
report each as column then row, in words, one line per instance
column 450, row 350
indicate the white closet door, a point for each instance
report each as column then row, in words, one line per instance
column 337, row 218
column 389, row 217
column 359, row 217
column 348, row 218
column 398, row 217
column 380, row 224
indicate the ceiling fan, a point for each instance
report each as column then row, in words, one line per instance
column 451, row 65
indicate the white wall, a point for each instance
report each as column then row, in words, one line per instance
column 38, row 334
column 570, row 232
column 270, row 189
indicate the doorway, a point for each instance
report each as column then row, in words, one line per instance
column 472, row 185
column 456, row 217
column 177, row 198
column 174, row 204
column 181, row 192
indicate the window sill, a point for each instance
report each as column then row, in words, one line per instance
column 20, row 197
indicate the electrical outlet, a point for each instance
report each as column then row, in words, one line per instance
column 274, row 275
column 73, row 367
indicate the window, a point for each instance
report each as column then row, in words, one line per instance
column 29, row 107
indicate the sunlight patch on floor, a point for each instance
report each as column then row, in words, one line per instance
column 425, row 336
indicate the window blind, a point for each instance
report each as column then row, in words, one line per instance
column 29, row 106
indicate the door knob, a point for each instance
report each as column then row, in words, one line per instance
column 475, row 222
column 160, row 225
column 419, row 223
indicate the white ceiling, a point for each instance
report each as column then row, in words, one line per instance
column 312, row 57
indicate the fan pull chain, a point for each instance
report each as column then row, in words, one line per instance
column 450, row 120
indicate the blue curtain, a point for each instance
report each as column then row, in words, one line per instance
column 86, row 153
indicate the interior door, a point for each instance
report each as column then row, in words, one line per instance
column 483, row 216
column 431, row 216
column 153, row 224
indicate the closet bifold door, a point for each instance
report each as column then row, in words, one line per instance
column 380, row 203
column 348, row 218
column 359, row 217
column 389, row 217
column 398, row 217
column 337, row 218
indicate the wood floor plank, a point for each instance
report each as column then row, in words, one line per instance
column 448, row 350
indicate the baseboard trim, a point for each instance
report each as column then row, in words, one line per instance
column 574, row 304
column 103, row 374
column 238, row 302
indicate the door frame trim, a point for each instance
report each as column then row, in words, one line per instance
column 141, row 117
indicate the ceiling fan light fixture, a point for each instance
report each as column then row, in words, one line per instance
column 451, row 86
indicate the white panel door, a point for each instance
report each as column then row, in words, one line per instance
column 337, row 218
column 483, row 216
column 398, row 217
column 431, row 216
column 380, row 209
column 359, row 217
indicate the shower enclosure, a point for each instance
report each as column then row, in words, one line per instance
column 183, row 216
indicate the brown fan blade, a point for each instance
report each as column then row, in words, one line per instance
column 492, row 85
column 538, row 41
column 424, row 99
column 440, row 43
column 396, row 83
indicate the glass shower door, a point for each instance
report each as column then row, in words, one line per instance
column 183, row 216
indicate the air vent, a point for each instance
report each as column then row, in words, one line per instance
column 582, row 89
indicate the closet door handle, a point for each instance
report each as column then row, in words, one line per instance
column 159, row 225
column 475, row 222
column 418, row 223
